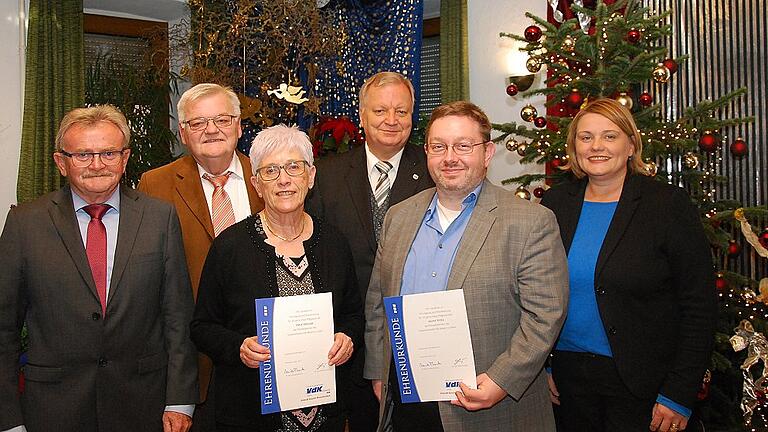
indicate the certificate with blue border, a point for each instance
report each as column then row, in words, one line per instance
column 298, row 330
column 431, row 345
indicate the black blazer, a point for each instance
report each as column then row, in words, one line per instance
column 654, row 283
column 237, row 271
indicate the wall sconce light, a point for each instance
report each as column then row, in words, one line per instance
column 523, row 82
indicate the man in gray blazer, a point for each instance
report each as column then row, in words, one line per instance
column 504, row 252
column 97, row 272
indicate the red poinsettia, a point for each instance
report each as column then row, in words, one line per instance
column 334, row 135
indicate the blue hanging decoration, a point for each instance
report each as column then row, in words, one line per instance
column 381, row 35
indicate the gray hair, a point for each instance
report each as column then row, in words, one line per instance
column 280, row 138
column 204, row 90
column 90, row 116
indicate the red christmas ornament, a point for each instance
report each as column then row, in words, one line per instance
column 708, row 142
column 645, row 99
column 734, row 249
column 671, row 65
column 532, row 33
column 557, row 162
column 512, row 89
column 760, row 395
column 538, row 192
column 575, row 99
column 720, row 283
column 540, row 122
column 764, row 238
column 739, row 147
column 634, row 36
column 703, row 391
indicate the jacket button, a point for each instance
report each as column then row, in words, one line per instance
column 96, row 316
column 611, row 330
column 103, row 362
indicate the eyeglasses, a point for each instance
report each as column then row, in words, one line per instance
column 84, row 159
column 200, row 123
column 292, row 168
column 461, row 148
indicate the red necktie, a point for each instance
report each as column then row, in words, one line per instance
column 221, row 205
column 96, row 249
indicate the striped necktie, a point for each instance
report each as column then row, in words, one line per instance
column 222, row 214
column 381, row 192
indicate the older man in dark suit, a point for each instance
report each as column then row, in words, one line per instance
column 354, row 190
column 97, row 272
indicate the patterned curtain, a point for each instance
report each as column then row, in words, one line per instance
column 454, row 54
column 383, row 35
column 54, row 84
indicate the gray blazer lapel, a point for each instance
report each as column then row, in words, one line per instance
column 131, row 211
column 474, row 236
column 62, row 212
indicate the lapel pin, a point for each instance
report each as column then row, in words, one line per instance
column 415, row 176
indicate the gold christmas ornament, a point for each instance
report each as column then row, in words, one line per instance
column 523, row 193
column 568, row 43
column 528, row 113
column 511, row 144
column 521, row 149
column 690, row 160
column 652, row 168
column 625, row 100
column 533, row 64
column 661, row 74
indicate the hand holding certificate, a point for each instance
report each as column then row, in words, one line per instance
column 298, row 331
column 431, row 345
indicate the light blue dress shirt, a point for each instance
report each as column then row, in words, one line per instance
column 429, row 261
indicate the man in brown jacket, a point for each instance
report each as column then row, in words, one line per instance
column 210, row 188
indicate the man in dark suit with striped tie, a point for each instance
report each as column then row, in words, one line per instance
column 353, row 192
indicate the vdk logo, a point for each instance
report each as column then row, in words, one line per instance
column 451, row 384
column 314, row 389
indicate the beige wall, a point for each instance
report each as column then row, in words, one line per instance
column 489, row 69
column 11, row 88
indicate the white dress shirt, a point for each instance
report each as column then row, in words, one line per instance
column 373, row 173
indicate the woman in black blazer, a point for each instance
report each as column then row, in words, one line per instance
column 279, row 252
column 642, row 309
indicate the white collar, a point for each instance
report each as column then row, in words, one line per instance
column 234, row 166
column 372, row 160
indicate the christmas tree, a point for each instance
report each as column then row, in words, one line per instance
column 616, row 50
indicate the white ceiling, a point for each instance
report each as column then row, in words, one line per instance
column 171, row 10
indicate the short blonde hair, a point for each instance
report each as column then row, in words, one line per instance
column 204, row 90
column 621, row 117
column 279, row 138
column 89, row 116
column 382, row 79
